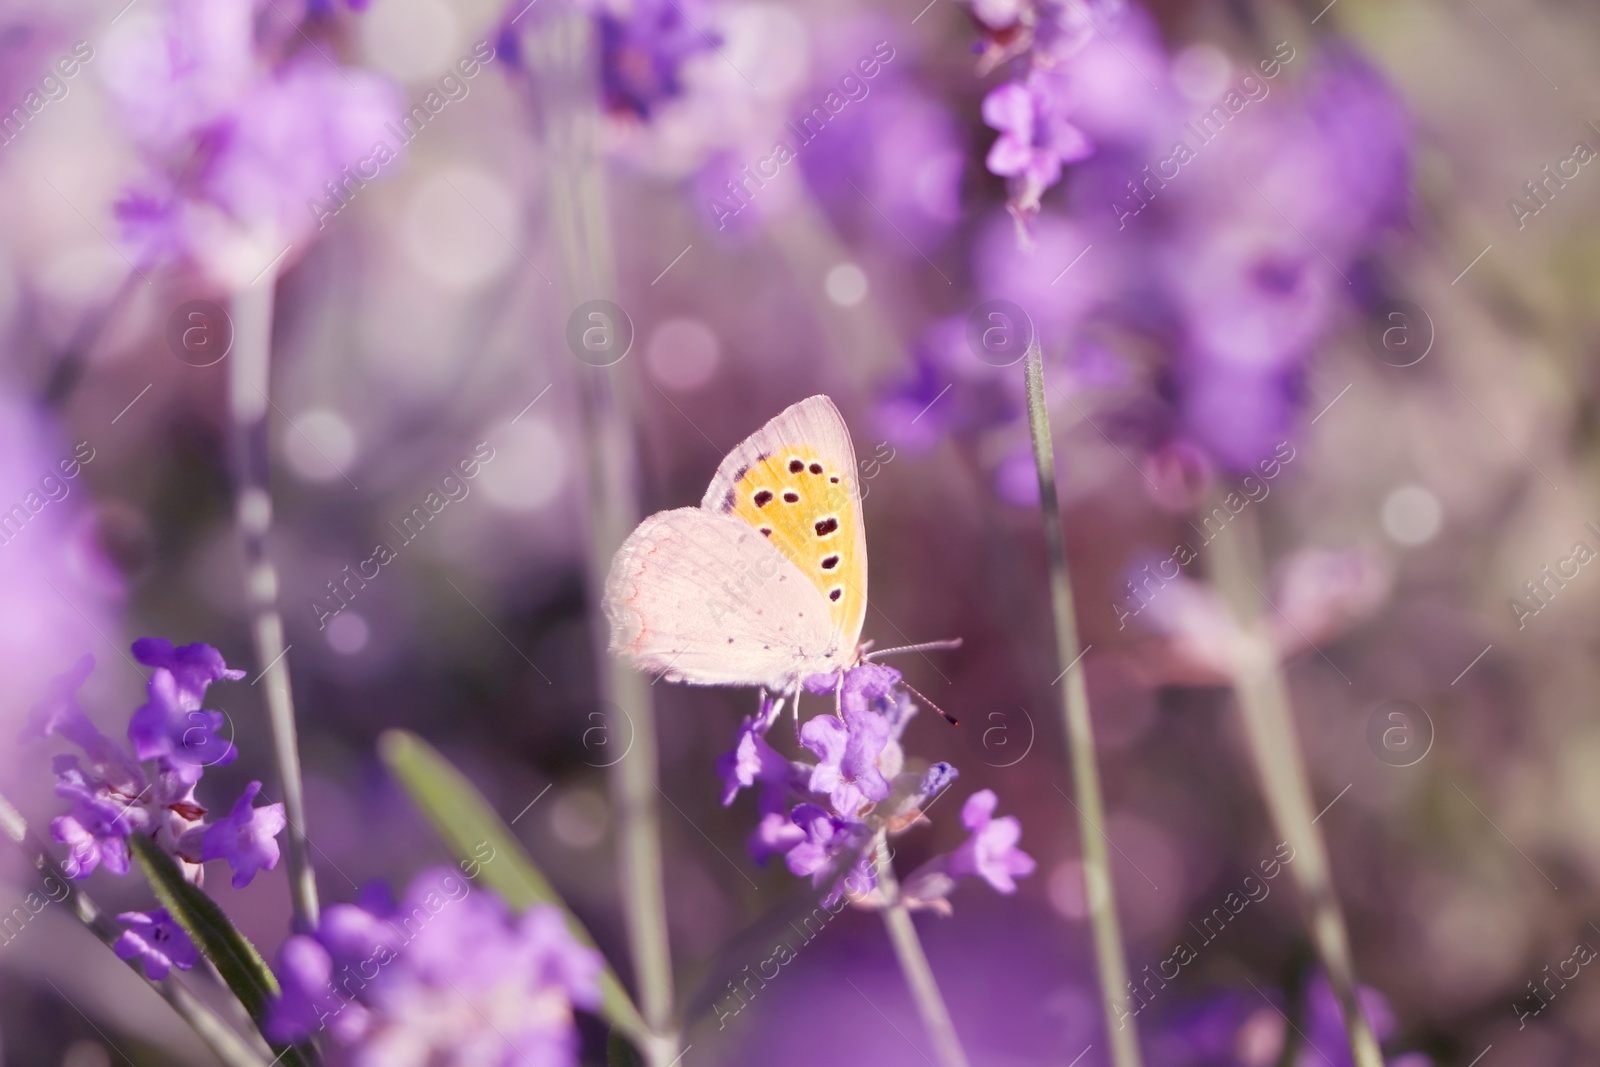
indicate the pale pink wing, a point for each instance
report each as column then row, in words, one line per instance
column 703, row 598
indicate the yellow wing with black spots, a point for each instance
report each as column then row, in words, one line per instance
column 795, row 481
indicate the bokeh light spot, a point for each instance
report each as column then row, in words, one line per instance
column 321, row 445
column 347, row 633
column 1411, row 515
column 460, row 227
column 529, row 466
column 683, row 354
column 846, row 285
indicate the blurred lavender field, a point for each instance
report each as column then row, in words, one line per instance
column 351, row 337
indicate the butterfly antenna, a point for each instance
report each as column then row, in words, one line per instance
column 949, row 718
column 929, row 646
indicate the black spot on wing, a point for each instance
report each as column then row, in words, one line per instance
column 796, row 466
column 762, row 498
column 830, row 562
column 791, row 497
column 827, row 526
column 815, row 468
column 835, row 593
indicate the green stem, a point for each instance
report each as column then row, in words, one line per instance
column 914, row 965
column 1110, row 959
column 560, row 52
column 248, row 392
column 1275, row 748
column 232, row 1049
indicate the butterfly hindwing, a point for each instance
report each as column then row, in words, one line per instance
column 795, row 482
column 702, row 597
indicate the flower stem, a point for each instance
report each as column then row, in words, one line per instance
column 914, row 965
column 564, row 90
column 248, row 403
column 1275, row 748
column 1109, row 954
column 232, row 1049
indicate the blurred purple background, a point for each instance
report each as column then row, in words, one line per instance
column 1376, row 269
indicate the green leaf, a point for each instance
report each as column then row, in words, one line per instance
column 466, row 823
column 237, row 960
column 620, row 1053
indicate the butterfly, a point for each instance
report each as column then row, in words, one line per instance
column 765, row 583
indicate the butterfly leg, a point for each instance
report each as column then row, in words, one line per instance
column 796, row 697
column 838, row 697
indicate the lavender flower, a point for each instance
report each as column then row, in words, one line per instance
column 1036, row 138
column 1231, row 292
column 860, row 792
column 113, row 796
column 246, row 838
column 237, row 143
column 96, row 828
column 171, row 726
column 448, row 977
column 60, row 713
column 847, row 752
column 991, row 852
column 1231, row 1028
column 157, row 938
column 643, row 46
column 753, row 760
column 824, row 837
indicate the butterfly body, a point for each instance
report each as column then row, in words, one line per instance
column 765, row 583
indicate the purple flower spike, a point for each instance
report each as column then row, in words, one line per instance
column 753, row 760
column 825, row 837
column 156, row 937
column 246, row 837
column 936, row 780
column 445, row 977
column 193, row 667
column 172, row 726
column 991, row 852
column 305, row 976
column 94, row 834
column 862, row 684
column 775, row 835
column 60, row 713
column 642, row 54
column 848, row 755
column 97, row 826
column 558, row 959
column 1035, row 138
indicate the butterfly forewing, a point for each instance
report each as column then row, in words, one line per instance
column 794, row 481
